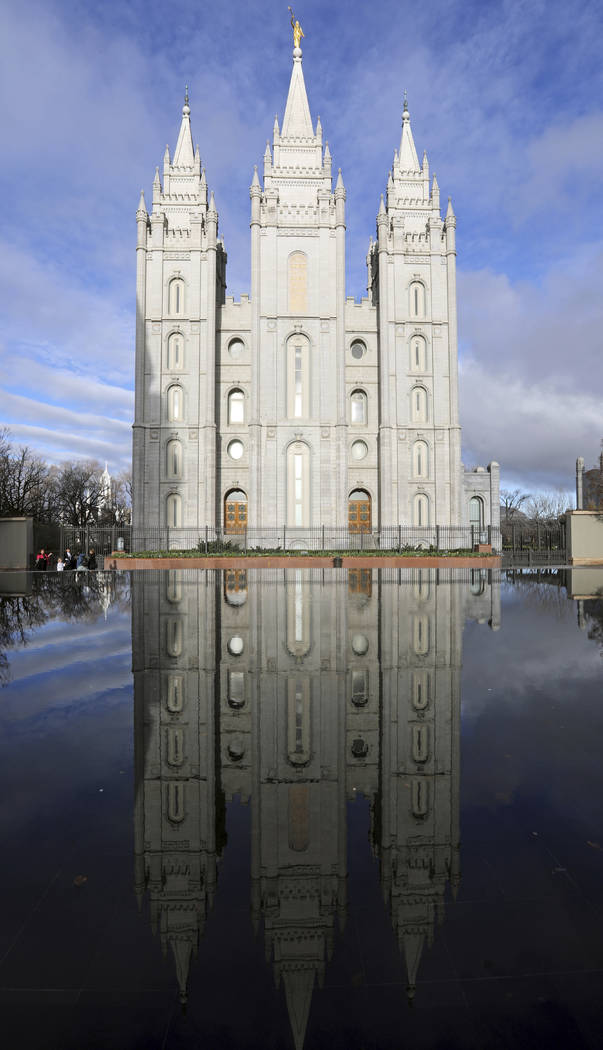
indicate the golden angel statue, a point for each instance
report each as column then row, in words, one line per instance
column 297, row 30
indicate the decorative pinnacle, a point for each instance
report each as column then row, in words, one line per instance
column 405, row 100
column 186, row 94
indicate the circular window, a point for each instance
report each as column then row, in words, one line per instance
column 235, row 449
column 358, row 349
column 360, row 644
column 359, row 449
column 236, row 348
column 235, row 645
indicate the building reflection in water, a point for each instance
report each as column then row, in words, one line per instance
column 299, row 690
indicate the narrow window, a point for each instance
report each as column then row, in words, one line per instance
column 420, row 459
column 421, row 634
column 236, row 688
column 420, row 797
column 174, row 459
column 175, row 694
column 174, row 510
column 175, row 746
column 173, row 637
column 236, row 406
column 175, row 355
column 176, row 297
column 421, row 510
column 417, row 299
column 175, row 404
column 418, row 354
column 418, row 405
column 298, row 485
column 173, row 586
column 359, row 407
column 297, row 378
column 175, row 795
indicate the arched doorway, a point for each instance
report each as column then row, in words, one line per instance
column 235, row 511
column 359, row 511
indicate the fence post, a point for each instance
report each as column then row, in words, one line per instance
column 437, row 536
column 284, row 538
column 245, row 539
column 489, row 534
column 323, row 536
column 513, row 538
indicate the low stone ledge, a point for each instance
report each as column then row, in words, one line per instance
column 389, row 561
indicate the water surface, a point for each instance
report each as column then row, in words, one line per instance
column 302, row 809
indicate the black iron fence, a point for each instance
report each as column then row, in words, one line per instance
column 215, row 540
column 532, row 542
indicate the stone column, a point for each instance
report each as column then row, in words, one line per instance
column 579, row 483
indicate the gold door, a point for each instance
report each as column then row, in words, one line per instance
column 359, row 515
column 235, row 516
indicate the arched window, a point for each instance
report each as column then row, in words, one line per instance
column 418, row 354
column 359, row 407
column 174, row 458
column 174, row 510
column 418, row 405
column 175, row 798
column 421, row 510
column 298, row 485
column 173, row 636
column 476, row 512
column 175, row 693
column 236, row 406
column 358, row 349
column 417, row 299
column 298, row 283
column 236, row 688
column 175, row 403
column 420, row 459
column 176, row 297
column 298, row 392
column 175, row 746
column 420, row 743
column 236, row 348
column 421, row 690
column 421, row 634
column 175, row 352
column 173, row 586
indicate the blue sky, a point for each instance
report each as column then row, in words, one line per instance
column 507, row 98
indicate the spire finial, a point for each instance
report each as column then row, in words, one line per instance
column 405, row 100
column 186, row 108
column 186, row 94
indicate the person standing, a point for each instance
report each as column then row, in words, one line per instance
column 69, row 559
column 41, row 560
column 91, row 559
column 60, row 564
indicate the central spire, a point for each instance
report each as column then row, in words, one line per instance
column 297, row 122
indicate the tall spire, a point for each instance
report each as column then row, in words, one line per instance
column 185, row 153
column 297, row 122
column 408, row 154
column 298, row 993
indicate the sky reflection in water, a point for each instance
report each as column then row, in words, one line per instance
column 356, row 810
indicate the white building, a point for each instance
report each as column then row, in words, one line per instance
column 298, row 406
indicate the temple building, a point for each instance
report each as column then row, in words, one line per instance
column 297, row 405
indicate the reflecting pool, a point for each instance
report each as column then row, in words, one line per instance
column 294, row 809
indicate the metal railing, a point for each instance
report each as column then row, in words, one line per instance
column 216, row 540
column 533, row 542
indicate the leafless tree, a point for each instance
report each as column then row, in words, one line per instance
column 79, row 492
column 545, row 508
column 511, row 501
column 26, row 489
